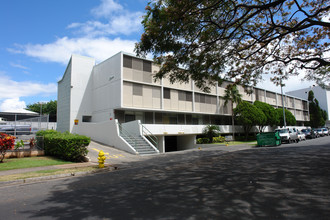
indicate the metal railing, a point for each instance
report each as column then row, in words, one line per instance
column 150, row 136
column 126, row 135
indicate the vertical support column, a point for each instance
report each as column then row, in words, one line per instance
column 161, row 144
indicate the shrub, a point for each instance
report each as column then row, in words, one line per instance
column 202, row 141
column 66, row 146
column 7, row 142
column 219, row 139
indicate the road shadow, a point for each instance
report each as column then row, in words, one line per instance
column 267, row 183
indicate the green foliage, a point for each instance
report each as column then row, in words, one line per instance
column 248, row 116
column 49, row 108
column 66, row 146
column 317, row 115
column 232, row 94
column 219, row 139
column 202, row 141
column 19, row 144
column 270, row 113
column 239, row 39
column 289, row 117
column 211, row 131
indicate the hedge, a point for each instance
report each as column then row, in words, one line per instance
column 66, row 146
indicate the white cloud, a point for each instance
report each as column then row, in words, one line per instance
column 14, row 104
column 19, row 66
column 10, row 89
column 61, row 50
column 107, row 8
column 117, row 21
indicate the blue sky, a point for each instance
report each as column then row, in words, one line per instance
column 38, row 38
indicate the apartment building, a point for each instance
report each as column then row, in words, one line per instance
column 118, row 102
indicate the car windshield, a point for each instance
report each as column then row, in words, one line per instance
column 283, row 131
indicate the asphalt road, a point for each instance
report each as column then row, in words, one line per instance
column 287, row 182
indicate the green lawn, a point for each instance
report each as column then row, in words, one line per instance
column 27, row 162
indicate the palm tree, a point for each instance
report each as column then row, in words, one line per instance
column 232, row 94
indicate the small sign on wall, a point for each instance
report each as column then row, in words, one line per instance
column 76, row 121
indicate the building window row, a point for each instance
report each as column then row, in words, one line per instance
column 137, row 64
column 171, row 118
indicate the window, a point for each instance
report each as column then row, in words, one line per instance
column 86, row 118
column 181, row 119
column 188, row 96
column 137, row 64
column 208, row 99
column 137, row 89
column 146, row 66
column 158, row 118
column 127, row 61
column 202, row 100
column 197, row 97
column 167, row 93
column 149, row 117
column 182, row 96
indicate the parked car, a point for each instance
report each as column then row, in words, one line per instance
column 301, row 136
column 325, row 131
column 317, row 134
column 309, row 133
column 20, row 129
column 320, row 132
column 288, row 135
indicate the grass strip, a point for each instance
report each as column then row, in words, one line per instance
column 28, row 162
column 42, row 173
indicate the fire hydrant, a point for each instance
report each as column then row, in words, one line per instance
column 101, row 159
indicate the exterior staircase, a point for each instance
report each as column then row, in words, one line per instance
column 139, row 143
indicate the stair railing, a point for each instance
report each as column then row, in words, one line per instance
column 126, row 135
column 151, row 137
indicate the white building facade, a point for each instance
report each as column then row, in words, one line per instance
column 117, row 102
column 321, row 94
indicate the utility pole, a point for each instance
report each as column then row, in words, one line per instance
column 283, row 104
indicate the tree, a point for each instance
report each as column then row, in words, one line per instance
column 317, row 118
column 248, row 116
column 241, row 40
column 232, row 95
column 269, row 112
column 289, row 117
column 211, row 131
column 49, row 108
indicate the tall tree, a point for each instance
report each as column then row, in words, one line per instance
column 289, row 117
column 315, row 112
column 49, row 108
column 239, row 39
column 248, row 116
column 271, row 117
column 232, row 94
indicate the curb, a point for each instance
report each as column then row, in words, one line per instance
column 58, row 176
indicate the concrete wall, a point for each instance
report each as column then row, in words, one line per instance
column 107, row 91
column 81, row 88
column 63, row 100
column 186, row 142
column 104, row 132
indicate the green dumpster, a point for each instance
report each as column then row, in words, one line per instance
column 268, row 139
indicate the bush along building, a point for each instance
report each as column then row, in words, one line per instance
column 118, row 103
